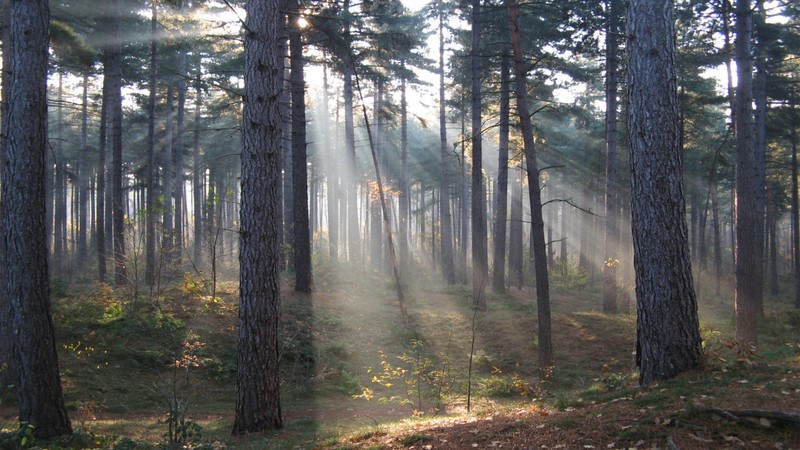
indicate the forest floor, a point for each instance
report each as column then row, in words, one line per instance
column 137, row 367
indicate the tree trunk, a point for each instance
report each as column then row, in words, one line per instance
column 717, row 238
column 100, row 216
column 197, row 176
column 515, row 266
column 258, row 405
column 150, row 183
column 59, row 193
column 749, row 256
column 26, row 284
column 304, row 281
column 118, row 195
column 178, row 189
column 168, row 170
column 479, row 251
column 545, row 345
column 501, row 190
column 668, row 334
column 448, row 266
column 83, row 177
column 405, row 194
column 795, row 221
column 331, row 179
column 611, row 237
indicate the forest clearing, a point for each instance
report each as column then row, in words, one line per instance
column 400, row 224
column 121, row 381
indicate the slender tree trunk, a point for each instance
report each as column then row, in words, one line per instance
column 448, row 266
column 178, row 189
column 795, row 221
column 83, row 177
column 59, row 193
column 150, row 183
column 545, row 345
column 26, row 283
column 611, row 237
column 749, row 255
column 288, row 173
column 668, row 333
column 258, row 404
column 515, row 266
column 100, row 218
column 331, row 179
column 479, row 251
column 772, row 234
column 197, row 176
column 717, row 238
column 351, row 191
column 405, row 194
column 501, row 190
column 168, row 220
column 304, row 281
column 118, row 195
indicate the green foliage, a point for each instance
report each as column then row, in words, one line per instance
column 421, row 381
column 500, row 386
column 414, row 439
column 568, row 276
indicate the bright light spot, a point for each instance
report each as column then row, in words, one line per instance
column 302, row 22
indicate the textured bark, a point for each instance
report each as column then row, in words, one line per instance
column 480, row 259
column 150, row 183
column 795, row 222
column 501, row 190
column 448, row 265
column 8, row 361
column 668, row 335
column 545, row 345
column 26, row 285
column 258, row 405
column 304, row 281
column 749, row 256
column 611, row 235
column 118, row 195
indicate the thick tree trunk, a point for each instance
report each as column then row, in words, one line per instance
column 480, row 259
column 545, row 344
column 26, row 284
column 501, row 190
column 448, row 265
column 668, row 334
column 795, row 221
column 749, row 255
column 258, row 405
column 304, row 281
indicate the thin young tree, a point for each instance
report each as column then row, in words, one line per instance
column 22, row 210
column 668, row 333
column 118, row 197
column 150, row 187
column 258, row 402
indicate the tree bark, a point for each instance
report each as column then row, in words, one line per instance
column 501, row 190
column 304, row 281
column 150, row 183
column 448, row 266
column 515, row 266
column 258, row 405
column 545, row 345
column 178, row 189
column 197, row 176
column 26, row 284
column 118, row 195
column 749, row 255
column 611, row 237
column 480, row 260
column 168, row 170
column 668, row 334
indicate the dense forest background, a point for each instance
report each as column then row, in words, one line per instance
column 476, row 144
